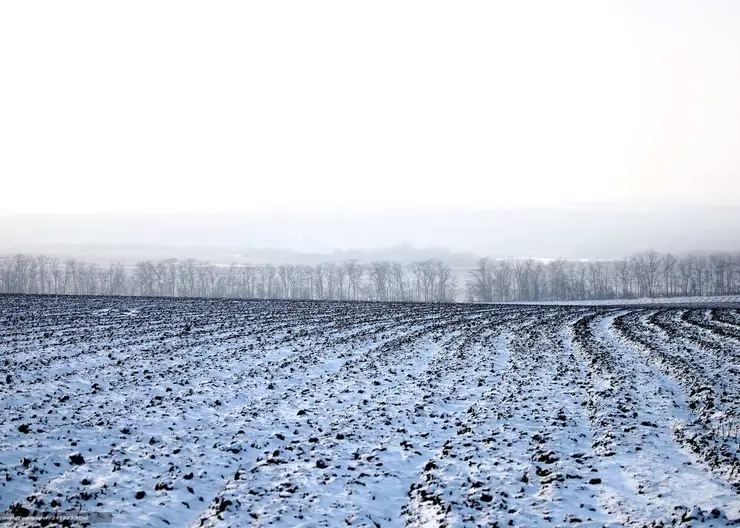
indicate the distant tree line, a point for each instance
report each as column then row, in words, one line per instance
column 429, row 280
column 647, row 274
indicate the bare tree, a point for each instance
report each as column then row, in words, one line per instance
column 643, row 274
column 398, row 278
column 483, row 278
column 378, row 274
column 355, row 272
column 445, row 282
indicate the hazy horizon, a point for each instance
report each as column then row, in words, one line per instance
column 576, row 232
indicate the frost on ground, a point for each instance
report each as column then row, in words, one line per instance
column 239, row 413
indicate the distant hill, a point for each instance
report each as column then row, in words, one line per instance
column 575, row 232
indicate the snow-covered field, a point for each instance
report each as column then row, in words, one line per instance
column 238, row 413
column 713, row 300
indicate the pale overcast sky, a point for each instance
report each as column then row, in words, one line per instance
column 208, row 106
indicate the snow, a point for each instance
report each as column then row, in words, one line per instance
column 708, row 300
column 252, row 413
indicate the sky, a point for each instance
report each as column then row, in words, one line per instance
column 140, row 106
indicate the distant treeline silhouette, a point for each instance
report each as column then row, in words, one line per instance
column 647, row 274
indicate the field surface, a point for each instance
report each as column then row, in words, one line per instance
column 238, row 413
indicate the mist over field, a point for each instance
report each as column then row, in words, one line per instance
column 303, row 236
